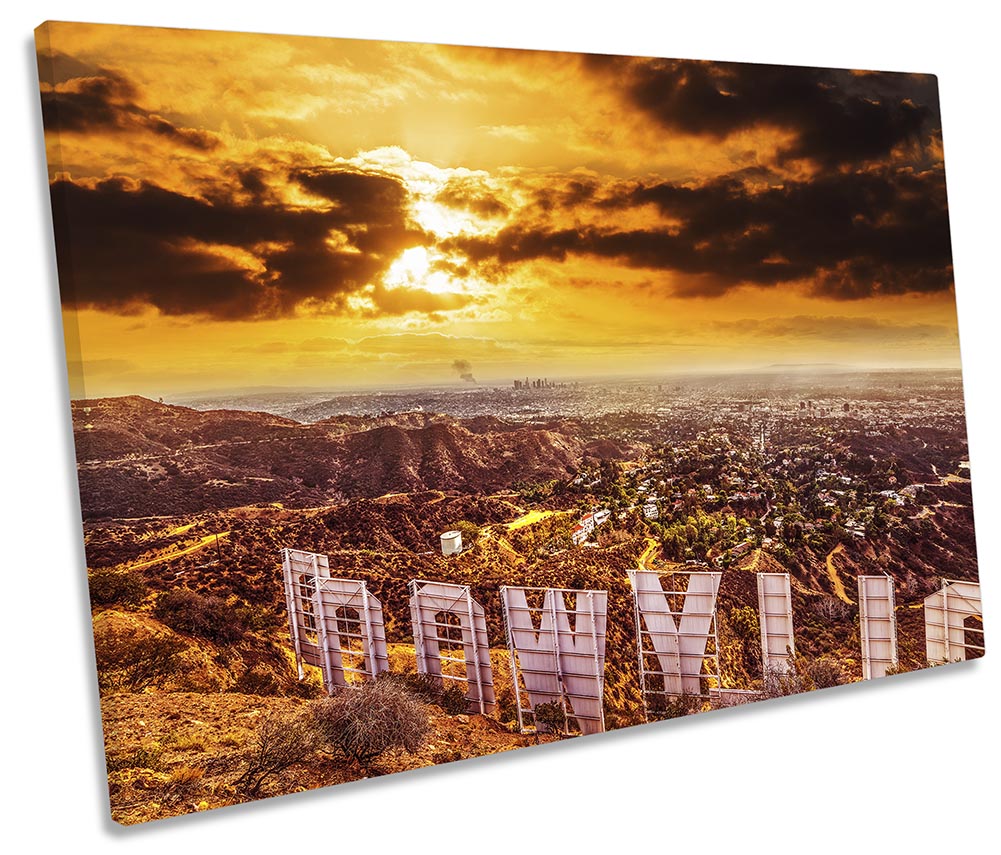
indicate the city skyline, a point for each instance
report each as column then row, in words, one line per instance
column 245, row 210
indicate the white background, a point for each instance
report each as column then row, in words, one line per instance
column 909, row 763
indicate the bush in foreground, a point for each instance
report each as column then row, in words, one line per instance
column 257, row 681
column 366, row 722
column 132, row 660
column 551, row 718
column 208, row 617
column 282, row 740
column 675, row 706
column 446, row 694
column 804, row 676
column 115, row 588
column 825, row 672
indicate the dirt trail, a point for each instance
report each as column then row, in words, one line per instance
column 205, row 541
column 181, row 529
column 832, row 572
column 647, row 554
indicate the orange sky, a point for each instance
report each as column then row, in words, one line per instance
column 235, row 210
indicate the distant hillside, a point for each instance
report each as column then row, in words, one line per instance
column 141, row 458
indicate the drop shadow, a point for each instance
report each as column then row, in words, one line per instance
column 631, row 741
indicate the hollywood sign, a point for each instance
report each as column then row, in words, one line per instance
column 556, row 636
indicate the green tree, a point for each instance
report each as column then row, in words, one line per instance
column 470, row 532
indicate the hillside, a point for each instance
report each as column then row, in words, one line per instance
column 188, row 511
column 139, row 458
column 189, row 747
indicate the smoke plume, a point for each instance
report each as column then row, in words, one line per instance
column 463, row 368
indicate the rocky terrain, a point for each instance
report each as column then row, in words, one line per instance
column 140, row 458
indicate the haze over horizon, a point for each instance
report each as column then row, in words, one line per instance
column 789, row 371
column 239, row 210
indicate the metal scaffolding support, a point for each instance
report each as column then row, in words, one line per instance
column 778, row 642
column 676, row 638
column 557, row 661
column 450, row 639
column 877, row 625
column 946, row 614
column 352, row 633
column 300, row 570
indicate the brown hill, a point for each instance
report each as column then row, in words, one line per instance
column 140, row 458
column 448, row 456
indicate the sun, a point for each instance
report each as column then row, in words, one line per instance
column 442, row 221
column 414, row 269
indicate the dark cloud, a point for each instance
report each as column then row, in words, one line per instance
column 567, row 194
column 190, row 137
column 853, row 235
column 837, row 117
column 106, row 101
column 471, row 197
column 370, row 207
column 122, row 245
column 55, row 67
column 86, row 103
column 253, row 180
column 237, row 249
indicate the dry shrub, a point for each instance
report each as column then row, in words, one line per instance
column 825, row 672
column 186, row 742
column 804, row 676
column 208, row 617
column 831, row 608
column 282, row 740
column 258, row 680
column 551, row 718
column 364, row 723
column 232, row 739
column 133, row 660
column 445, row 694
column 185, row 779
column 116, row 588
column 674, row 706
column 780, row 682
column 144, row 757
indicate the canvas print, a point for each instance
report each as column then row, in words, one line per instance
column 432, row 401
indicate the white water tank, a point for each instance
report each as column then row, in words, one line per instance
column 451, row 543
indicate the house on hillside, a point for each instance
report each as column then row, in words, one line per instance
column 741, row 549
column 588, row 523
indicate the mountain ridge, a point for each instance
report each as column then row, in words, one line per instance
column 138, row 457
